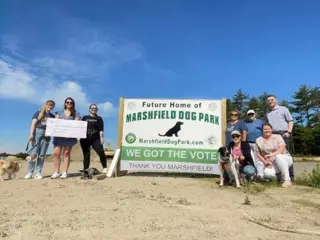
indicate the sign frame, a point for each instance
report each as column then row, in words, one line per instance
column 223, row 122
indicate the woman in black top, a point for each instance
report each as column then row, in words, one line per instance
column 241, row 151
column 95, row 139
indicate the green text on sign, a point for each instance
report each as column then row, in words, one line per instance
column 169, row 154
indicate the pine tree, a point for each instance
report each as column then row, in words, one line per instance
column 240, row 102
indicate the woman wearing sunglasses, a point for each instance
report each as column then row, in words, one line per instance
column 95, row 138
column 62, row 144
column 241, row 151
column 236, row 124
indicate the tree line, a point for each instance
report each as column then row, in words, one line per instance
column 305, row 110
column 304, row 107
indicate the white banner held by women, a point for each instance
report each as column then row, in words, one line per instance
column 66, row 128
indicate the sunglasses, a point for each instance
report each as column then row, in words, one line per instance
column 94, row 109
column 250, row 114
column 68, row 102
column 235, row 136
column 232, row 114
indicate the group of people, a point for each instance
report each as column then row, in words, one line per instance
column 256, row 144
column 63, row 146
column 259, row 145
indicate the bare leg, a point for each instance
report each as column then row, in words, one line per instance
column 57, row 158
column 66, row 158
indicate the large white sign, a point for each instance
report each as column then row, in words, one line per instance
column 66, row 128
column 171, row 135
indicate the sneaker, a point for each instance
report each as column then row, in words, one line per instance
column 105, row 171
column 28, row 176
column 64, row 175
column 55, row 175
column 286, row 184
column 38, row 176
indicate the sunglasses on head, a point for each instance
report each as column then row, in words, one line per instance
column 235, row 136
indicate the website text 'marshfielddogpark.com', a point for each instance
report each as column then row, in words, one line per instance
column 174, row 142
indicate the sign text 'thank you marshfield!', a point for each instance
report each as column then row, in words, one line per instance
column 171, row 135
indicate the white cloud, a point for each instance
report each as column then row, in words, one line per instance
column 16, row 83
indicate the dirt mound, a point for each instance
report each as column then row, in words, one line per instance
column 77, row 155
column 13, row 158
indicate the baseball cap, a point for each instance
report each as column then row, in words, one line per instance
column 251, row 111
column 235, row 132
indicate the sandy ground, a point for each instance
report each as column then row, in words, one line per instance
column 150, row 207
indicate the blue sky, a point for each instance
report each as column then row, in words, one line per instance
column 97, row 51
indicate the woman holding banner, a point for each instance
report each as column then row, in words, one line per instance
column 64, row 145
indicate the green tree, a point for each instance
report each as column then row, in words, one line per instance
column 230, row 107
column 263, row 106
column 21, row 155
column 315, row 106
column 240, row 102
column 301, row 105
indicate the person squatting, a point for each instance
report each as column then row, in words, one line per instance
column 62, row 145
column 267, row 141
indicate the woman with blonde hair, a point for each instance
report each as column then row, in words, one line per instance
column 38, row 140
column 59, row 143
column 272, row 152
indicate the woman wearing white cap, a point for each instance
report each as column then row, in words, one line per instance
column 241, row 151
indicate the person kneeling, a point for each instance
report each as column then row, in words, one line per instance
column 241, row 151
column 271, row 150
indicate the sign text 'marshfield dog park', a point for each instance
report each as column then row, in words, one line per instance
column 171, row 135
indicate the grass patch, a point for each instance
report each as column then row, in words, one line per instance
column 311, row 179
column 248, row 188
column 246, row 201
column 255, row 187
column 307, row 203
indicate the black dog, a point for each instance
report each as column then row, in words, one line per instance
column 173, row 131
column 224, row 155
column 89, row 173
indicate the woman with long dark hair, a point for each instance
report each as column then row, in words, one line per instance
column 62, row 144
column 95, row 138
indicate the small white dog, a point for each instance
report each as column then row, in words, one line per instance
column 227, row 162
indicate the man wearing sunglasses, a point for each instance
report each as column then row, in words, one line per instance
column 254, row 131
column 281, row 121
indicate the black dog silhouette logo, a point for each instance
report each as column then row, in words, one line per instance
column 173, row 131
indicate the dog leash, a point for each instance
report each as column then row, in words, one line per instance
column 33, row 147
